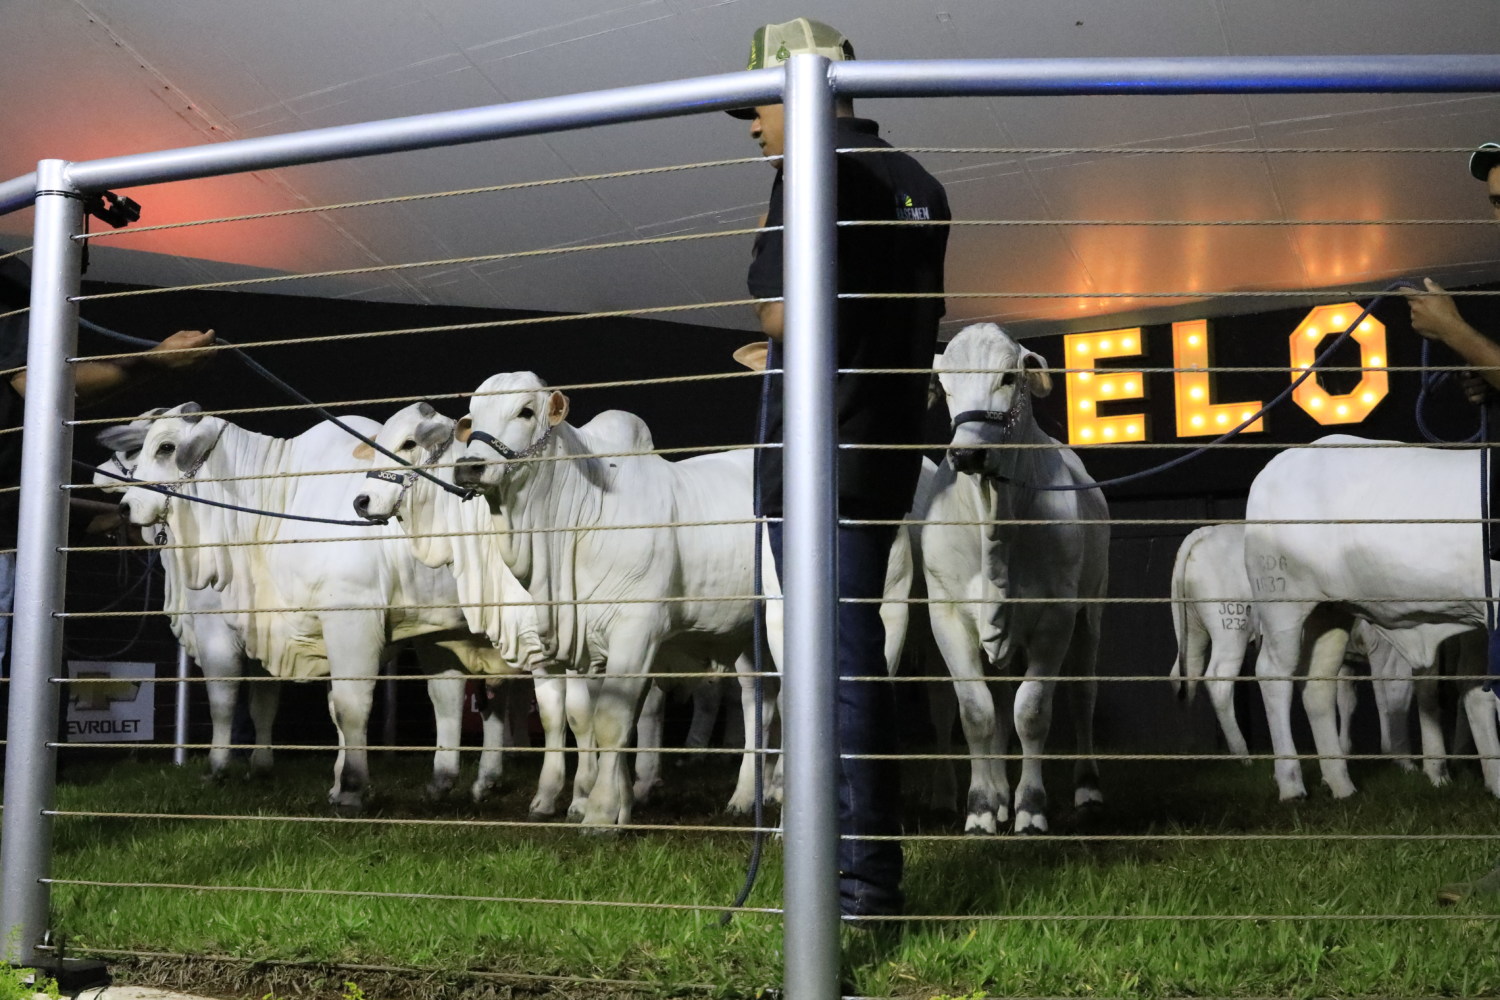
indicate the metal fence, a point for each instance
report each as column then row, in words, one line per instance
column 809, row 86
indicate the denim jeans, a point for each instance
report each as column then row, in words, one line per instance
column 869, row 791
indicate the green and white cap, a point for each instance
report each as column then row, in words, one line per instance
column 774, row 44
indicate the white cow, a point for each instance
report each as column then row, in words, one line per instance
column 610, row 594
column 1215, row 623
column 975, row 571
column 468, row 539
column 1364, row 555
column 309, row 599
column 208, row 637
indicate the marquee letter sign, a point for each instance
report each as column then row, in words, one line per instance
column 1198, row 415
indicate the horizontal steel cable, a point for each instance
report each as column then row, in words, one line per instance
column 728, row 751
column 414, row 265
column 414, row 970
column 430, row 397
column 415, row 896
column 402, row 748
column 710, row 908
column 426, row 196
column 749, row 598
column 1167, row 150
column 1081, row 837
column 711, row 675
column 674, row 675
column 393, row 821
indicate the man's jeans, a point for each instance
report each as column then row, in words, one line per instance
column 869, row 790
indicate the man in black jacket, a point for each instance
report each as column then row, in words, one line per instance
column 871, row 410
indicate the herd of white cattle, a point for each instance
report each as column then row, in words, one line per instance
column 589, row 562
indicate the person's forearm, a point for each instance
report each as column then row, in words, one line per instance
column 91, row 380
column 772, row 319
column 1477, row 349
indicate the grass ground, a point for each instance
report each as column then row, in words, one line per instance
column 1071, row 910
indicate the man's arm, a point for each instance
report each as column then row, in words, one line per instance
column 772, row 319
column 1436, row 317
column 94, row 380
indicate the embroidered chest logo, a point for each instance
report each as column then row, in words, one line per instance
column 908, row 210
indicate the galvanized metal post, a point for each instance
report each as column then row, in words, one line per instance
column 180, row 721
column 810, row 583
column 30, row 763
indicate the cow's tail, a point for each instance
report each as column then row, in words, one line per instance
column 1192, row 640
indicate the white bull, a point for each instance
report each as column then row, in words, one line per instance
column 1215, row 623
column 627, row 555
column 207, row 636
column 1365, row 554
column 445, row 531
column 306, row 599
column 1002, row 590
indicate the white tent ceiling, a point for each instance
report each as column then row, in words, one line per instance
column 84, row 79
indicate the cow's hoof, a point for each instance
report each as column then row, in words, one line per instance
column 215, row 777
column 982, row 824
column 1087, row 797
column 1342, row 790
column 739, row 807
column 1029, row 823
column 483, row 789
column 576, row 812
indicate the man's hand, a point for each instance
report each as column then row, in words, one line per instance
column 1476, row 389
column 1435, row 315
column 178, row 350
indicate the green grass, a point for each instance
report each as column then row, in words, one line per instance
column 673, row 950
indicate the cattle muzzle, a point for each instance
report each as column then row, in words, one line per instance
column 1005, row 422
column 401, row 479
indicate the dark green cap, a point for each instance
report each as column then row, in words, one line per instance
column 774, row 44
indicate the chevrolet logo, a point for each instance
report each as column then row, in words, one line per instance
column 97, row 697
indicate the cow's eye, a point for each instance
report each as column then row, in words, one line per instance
column 166, row 448
column 407, row 445
column 527, row 413
column 1008, row 378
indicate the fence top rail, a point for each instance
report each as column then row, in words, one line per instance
column 890, row 78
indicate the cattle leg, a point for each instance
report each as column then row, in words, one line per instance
column 446, row 690
column 1326, row 638
column 648, row 743
column 222, row 695
column 743, row 799
column 354, row 640
column 989, row 790
column 1391, row 681
column 942, row 788
column 1479, row 706
column 495, row 722
column 1344, row 700
column 1430, row 722
column 264, row 699
column 550, row 702
column 1223, row 669
column 708, row 695
column 1082, row 661
column 632, row 651
column 580, row 710
column 1274, row 666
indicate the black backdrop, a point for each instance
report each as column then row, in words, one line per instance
column 1137, row 639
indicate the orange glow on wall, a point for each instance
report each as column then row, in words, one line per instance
column 1374, row 385
column 1197, row 414
column 1087, row 387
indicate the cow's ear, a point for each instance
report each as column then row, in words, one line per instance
column 193, row 446
column 426, row 409
column 461, row 431
column 436, row 431
column 1037, row 377
column 126, row 437
column 191, row 412
column 363, row 451
column 557, row 408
